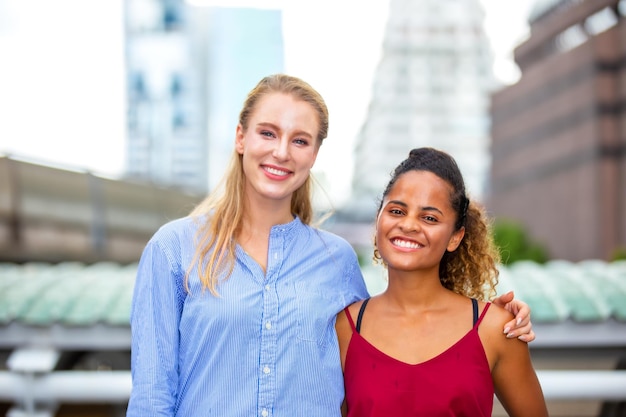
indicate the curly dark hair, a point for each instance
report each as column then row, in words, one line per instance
column 470, row 270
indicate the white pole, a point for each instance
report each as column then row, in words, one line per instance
column 115, row 386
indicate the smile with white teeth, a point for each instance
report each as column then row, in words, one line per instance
column 275, row 171
column 406, row 244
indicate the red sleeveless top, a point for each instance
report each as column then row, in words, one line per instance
column 457, row 382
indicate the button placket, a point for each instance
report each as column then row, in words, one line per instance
column 267, row 359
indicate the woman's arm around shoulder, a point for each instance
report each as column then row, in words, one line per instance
column 521, row 326
column 515, row 380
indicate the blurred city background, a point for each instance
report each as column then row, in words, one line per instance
column 118, row 116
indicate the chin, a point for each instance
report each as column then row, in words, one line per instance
column 277, row 195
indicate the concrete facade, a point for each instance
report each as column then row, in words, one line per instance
column 559, row 134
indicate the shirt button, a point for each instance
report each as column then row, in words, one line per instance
column 268, row 325
column 266, row 370
column 264, row 413
column 267, row 287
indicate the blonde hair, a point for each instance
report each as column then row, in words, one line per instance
column 224, row 206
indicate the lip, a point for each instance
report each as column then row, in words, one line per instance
column 405, row 244
column 276, row 173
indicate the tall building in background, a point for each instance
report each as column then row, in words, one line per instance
column 431, row 88
column 559, row 133
column 189, row 69
column 234, row 48
column 166, row 138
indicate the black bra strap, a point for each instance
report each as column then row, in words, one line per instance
column 358, row 319
column 362, row 309
column 475, row 308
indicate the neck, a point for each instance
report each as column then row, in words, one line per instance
column 414, row 289
column 261, row 217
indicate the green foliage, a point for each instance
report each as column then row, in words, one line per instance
column 515, row 244
column 364, row 257
column 619, row 254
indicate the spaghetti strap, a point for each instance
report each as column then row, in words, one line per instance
column 475, row 311
column 482, row 315
column 361, row 311
column 347, row 311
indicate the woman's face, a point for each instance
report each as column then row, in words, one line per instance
column 279, row 147
column 415, row 225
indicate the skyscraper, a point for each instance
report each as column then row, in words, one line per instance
column 431, row 88
column 189, row 69
column 166, row 140
column 240, row 47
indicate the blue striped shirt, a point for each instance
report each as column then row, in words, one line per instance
column 265, row 347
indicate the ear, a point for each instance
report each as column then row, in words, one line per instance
column 239, row 139
column 455, row 239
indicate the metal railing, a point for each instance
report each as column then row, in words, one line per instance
column 30, row 390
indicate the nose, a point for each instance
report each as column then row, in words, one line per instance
column 409, row 224
column 281, row 149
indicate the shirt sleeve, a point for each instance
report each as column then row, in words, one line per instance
column 155, row 317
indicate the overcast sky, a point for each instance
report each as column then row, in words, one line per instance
column 62, row 74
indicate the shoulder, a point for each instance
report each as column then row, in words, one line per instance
column 319, row 240
column 495, row 317
column 341, row 250
column 183, row 227
column 343, row 327
column 342, row 322
column 335, row 257
column 491, row 329
column 329, row 236
column 174, row 240
column 353, row 309
column 333, row 241
column 496, row 312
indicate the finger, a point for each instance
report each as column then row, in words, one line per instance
column 520, row 321
column 504, row 299
column 523, row 313
column 527, row 337
column 509, row 326
column 521, row 330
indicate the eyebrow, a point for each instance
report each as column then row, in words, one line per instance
column 403, row 204
column 297, row 132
